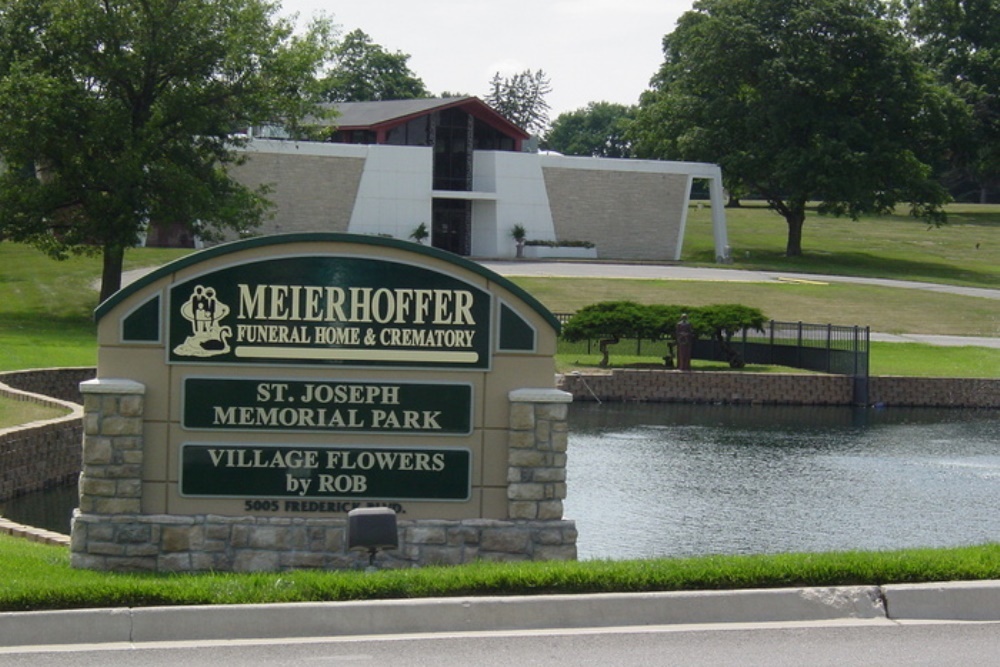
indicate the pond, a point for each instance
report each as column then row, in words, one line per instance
column 649, row 480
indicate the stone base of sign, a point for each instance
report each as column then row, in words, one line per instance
column 167, row 543
column 110, row 532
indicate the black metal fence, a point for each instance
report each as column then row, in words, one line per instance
column 825, row 348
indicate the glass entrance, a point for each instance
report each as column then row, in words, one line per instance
column 452, row 225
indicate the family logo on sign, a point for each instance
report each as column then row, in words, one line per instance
column 205, row 313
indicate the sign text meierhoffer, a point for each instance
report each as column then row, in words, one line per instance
column 325, row 310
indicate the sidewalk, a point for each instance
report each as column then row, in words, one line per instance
column 948, row 601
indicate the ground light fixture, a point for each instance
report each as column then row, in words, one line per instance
column 371, row 529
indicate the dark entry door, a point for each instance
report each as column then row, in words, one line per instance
column 452, row 224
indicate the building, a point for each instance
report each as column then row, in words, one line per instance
column 459, row 170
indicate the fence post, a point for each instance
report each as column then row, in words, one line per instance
column 829, row 343
column 798, row 349
column 770, row 348
column 860, row 380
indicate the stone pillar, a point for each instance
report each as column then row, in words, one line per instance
column 111, row 477
column 536, row 458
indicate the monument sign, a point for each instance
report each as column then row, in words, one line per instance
column 250, row 395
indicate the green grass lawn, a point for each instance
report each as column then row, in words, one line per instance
column 15, row 413
column 45, row 321
column 884, row 309
column 39, row 577
column 46, row 306
column 966, row 251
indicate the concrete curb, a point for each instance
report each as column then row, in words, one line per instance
column 966, row 601
column 950, row 600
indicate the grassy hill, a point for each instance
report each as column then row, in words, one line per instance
column 46, row 306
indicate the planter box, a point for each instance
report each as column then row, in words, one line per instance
column 559, row 252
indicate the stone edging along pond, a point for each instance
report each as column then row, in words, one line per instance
column 667, row 386
column 45, row 454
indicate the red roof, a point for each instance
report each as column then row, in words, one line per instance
column 383, row 116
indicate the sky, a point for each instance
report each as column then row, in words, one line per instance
column 591, row 50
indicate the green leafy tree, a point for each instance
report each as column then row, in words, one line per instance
column 960, row 39
column 520, row 98
column 722, row 322
column 611, row 321
column 365, row 72
column 798, row 101
column 598, row 130
column 122, row 112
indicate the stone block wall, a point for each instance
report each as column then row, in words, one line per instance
column 59, row 383
column 709, row 387
column 586, row 203
column 42, row 454
column 201, row 543
column 110, row 532
column 536, row 457
column 778, row 389
column 111, row 476
column 934, row 392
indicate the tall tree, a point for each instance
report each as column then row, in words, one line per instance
column 364, row 71
column 520, row 98
column 121, row 112
column 961, row 40
column 799, row 101
column 597, row 130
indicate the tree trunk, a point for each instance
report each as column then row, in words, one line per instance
column 111, row 275
column 795, row 217
column 734, row 358
column 605, row 342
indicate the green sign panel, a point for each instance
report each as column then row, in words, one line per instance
column 342, row 406
column 383, row 473
column 330, row 310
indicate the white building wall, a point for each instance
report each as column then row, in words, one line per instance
column 394, row 195
column 521, row 199
column 632, row 209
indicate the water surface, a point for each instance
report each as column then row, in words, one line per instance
column 651, row 480
column 675, row 480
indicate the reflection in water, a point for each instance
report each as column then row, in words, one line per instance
column 676, row 480
column 51, row 509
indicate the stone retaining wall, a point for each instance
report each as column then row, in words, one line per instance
column 164, row 543
column 38, row 456
column 934, row 392
column 60, row 383
column 110, row 532
column 778, row 389
column 41, row 454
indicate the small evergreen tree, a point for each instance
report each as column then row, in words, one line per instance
column 520, row 98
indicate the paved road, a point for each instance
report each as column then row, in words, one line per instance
column 669, row 272
column 767, row 645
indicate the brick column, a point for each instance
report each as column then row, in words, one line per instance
column 536, row 457
column 111, row 478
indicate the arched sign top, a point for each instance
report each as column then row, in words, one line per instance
column 318, row 238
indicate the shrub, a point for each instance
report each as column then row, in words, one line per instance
column 611, row 321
